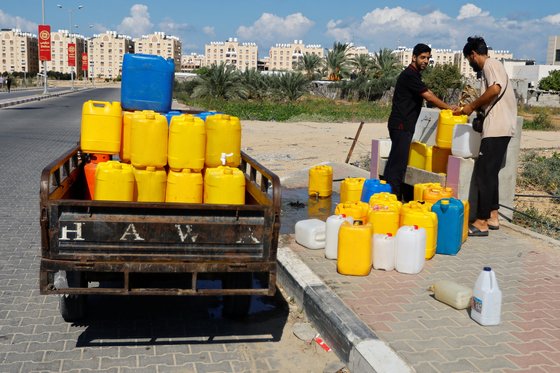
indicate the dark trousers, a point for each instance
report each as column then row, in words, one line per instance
column 398, row 159
column 487, row 167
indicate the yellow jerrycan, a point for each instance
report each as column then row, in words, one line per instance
column 124, row 153
column 150, row 184
column 420, row 156
column 357, row 210
column 415, row 213
column 223, row 141
column 224, row 185
column 432, row 195
column 385, row 198
column 148, row 139
column 187, row 143
column 446, row 122
column 184, row 186
column 351, row 189
column 320, row 181
column 419, row 189
column 384, row 218
column 101, row 127
column 114, row 181
column 354, row 256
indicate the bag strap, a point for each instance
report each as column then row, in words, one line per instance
column 499, row 98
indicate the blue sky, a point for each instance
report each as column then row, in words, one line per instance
column 521, row 27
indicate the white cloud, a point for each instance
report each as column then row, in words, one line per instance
column 553, row 18
column 403, row 21
column 138, row 23
column 173, row 28
column 9, row 21
column 271, row 28
column 209, row 30
column 338, row 31
column 470, row 11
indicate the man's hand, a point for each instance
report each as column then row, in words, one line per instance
column 464, row 110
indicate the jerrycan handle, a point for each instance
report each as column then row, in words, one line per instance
column 320, row 237
column 98, row 104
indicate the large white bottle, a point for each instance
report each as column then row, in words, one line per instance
column 487, row 299
column 410, row 249
column 311, row 233
column 331, row 236
column 383, row 246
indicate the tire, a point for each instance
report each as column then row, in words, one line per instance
column 72, row 307
column 237, row 306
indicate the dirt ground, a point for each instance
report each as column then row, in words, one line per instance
column 285, row 147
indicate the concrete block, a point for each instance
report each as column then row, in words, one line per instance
column 426, row 126
column 376, row 356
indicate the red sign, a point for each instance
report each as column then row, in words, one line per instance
column 84, row 61
column 44, row 42
column 71, row 54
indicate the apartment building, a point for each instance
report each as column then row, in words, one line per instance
column 160, row 44
column 59, row 52
column 190, row 62
column 286, row 56
column 18, row 51
column 241, row 55
column 106, row 52
column 466, row 70
column 553, row 50
column 354, row 51
column 439, row 56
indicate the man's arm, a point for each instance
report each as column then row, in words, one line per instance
column 490, row 94
column 430, row 97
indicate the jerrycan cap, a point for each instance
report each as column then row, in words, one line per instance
column 487, row 269
column 415, row 227
column 358, row 222
column 382, row 182
column 389, row 234
column 444, row 202
column 228, row 171
column 151, row 116
column 150, row 168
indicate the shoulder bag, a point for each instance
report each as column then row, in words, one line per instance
column 478, row 121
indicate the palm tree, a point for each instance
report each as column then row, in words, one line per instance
column 336, row 60
column 362, row 63
column 220, row 81
column 385, row 64
column 255, row 84
column 311, row 64
column 291, row 85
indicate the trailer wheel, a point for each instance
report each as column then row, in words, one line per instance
column 237, row 306
column 72, row 307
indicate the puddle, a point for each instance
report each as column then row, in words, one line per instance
column 298, row 205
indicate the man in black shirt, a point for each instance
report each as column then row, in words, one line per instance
column 410, row 92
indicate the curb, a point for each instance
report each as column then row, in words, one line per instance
column 35, row 98
column 352, row 340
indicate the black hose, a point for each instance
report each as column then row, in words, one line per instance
column 537, row 196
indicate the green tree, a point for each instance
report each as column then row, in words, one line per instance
column 311, row 64
column 220, row 81
column 385, row 64
column 362, row 64
column 444, row 80
column 336, row 60
column 551, row 82
column 256, row 85
column 290, row 85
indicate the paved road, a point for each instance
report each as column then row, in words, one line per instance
column 144, row 334
column 27, row 92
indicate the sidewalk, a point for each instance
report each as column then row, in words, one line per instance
column 11, row 101
column 389, row 322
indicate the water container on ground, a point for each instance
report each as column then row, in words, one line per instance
column 319, row 208
column 409, row 249
column 148, row 140
column 205, row 114
column 171, row 114
column 357, row 210
column 187, row 143
column 150, row 184
column 351, row 189
column 223, row 141
column 89, row 172
column 420, row 156
column 487, row 299
column 384, row 198
column 354, row 249
column 124, row 153
column 333, row 224
column 440, row 157
column 467, row 211
column 446, row 122
column 224, row 185
column 320, row 181
column 466, row 141
column 184, row 186
column 419, row 189
column 383, row 247
column 384, row 218
column 114, row 181
column 432, row 195
column 101, row 127
column 452, row 293
column 372, row 187
column 450, row 217
column 415, row 213
column 311, row 233
column 147, row 82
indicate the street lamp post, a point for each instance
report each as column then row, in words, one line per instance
column 70, row 37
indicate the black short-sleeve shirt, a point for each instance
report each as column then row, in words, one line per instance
column 407, row 100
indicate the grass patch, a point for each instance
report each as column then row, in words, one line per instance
column 541, row 121
column 541, row 172
column 306, row 109
column 540, row 222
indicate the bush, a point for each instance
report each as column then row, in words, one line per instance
column 541, row 121
column 541, row 172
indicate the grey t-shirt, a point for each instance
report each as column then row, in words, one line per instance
column 502, row 119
